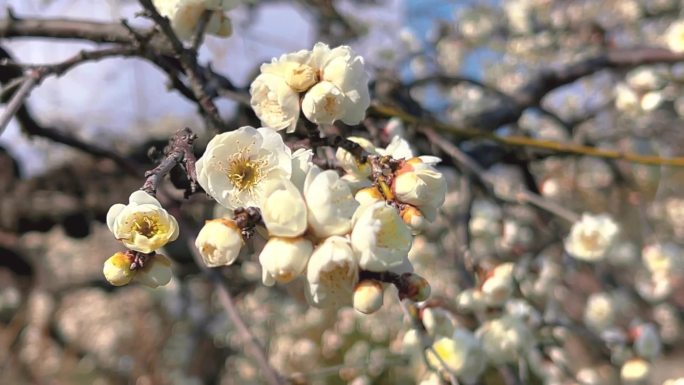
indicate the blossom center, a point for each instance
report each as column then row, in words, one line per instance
column 302, row 78
column 591, row 239
column 146, row 226
column 244, row 173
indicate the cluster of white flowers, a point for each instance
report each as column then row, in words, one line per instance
column 185, row 16
column 315, row 227
column 143, row 226
column 324, row 84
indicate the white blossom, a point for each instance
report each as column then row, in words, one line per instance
column 274, row 102
column 330, row 203
column 219, row 242
column 332, row 273
column 301, row 164
column 674, row 36
column 237, row 165
column 460, row 354
column 333, row 81
column 142, row 225
column 498, row 287
column 662, row 258
column 591, row 237
column 380, row 237
column 284, row 259
column 635, row 371
column 505, row 339
column 283, row 209
column 599, row 312
column 185, row 15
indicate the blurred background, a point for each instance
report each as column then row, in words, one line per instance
column 468, row 64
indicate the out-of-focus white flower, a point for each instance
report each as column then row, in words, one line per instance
column 505, row 339
column 219, row 242
column 647, row 343
column 626, row 99
column 156, row 271
column 301, row 164
column 332, row 273
column 334, row 83
column 645, row 78
column 599, row 312
column 663, row 258
column 498, row 287
column 143, row 225
column 368, row 296
column 283, row 209
column 274, row 102
column 348, row 162
column 237, row 165
column 431, row 379
column 635, row 371
column 284, row 259
column 485, row 219
column 421, row 185
column 470, row 300
column 437, row 322
column 330, row 203
column 591, row 237
column 380, row 237
column 184, row 16
column 651, row 100
column 674, row 36
column 674, row 381
column 460, row 354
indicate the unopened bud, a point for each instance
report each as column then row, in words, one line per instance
column 368, row 296
column 117, row 269
column 414, row 287
column 635, row 371
column 414, row 219
column 219, row 242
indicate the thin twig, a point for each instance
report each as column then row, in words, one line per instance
column 18, row 99
column 472, row 167
column 201, row 28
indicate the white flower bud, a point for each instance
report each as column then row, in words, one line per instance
column 332, row 273
column 185, row 15
column 284, row 259
column 470, row 300
column 283, row 209
column 368, row 296
column 591, row 237
column 330, row 203
column 505, row 339
column 142, row 225
column 380, row 237
column 420, row 185
column 461, row 354
column 301, row 164
column 117, row 269
column 219, row 242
